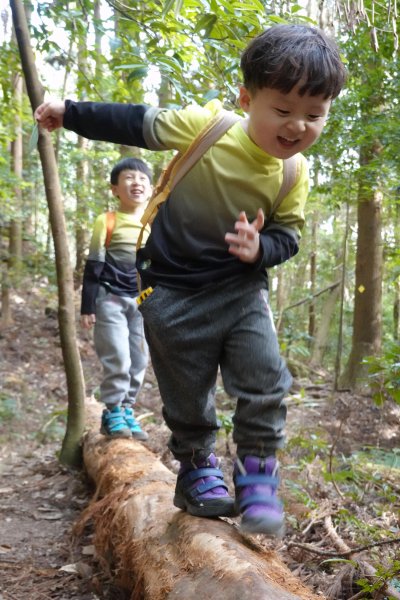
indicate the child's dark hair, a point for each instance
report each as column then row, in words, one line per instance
column 130, row 164
column 286, row 55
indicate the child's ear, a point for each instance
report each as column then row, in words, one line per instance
column 148, row 196
column 114, row 191
column 244, row 98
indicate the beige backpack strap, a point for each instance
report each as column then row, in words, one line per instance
column 182, row 163
column 214, row 130
column 291, row 171
column 110, row 224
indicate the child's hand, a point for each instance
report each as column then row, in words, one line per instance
column 87, row 321
column 50, row 115
column 245, row 244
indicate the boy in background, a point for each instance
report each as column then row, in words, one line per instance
column 206, row 260
column 109, row 299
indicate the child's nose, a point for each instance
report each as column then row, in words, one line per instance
column 296, row 125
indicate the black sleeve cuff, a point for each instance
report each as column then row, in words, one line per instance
column 90, row 287
column 276, row 247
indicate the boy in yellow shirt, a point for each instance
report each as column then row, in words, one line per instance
column 108, row 300
column 207, row 255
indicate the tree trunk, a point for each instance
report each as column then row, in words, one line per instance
column 158, row 552
column 280, row 296
column 71, row 449
column 15, row 252
column 82, row 216
column 82, row 171
column 396, row 301
column 396, row 309
column 12, row 268
column 367, row 318
column 15, row 260
column 6, row 312
column 339, row 343
column 313, row 277
column 322, row 333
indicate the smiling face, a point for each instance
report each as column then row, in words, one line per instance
column 283, row 124
column 133, row 189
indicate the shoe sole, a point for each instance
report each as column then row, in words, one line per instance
column 142, row 436
column 265, row 526
column 213, row 508
column 125, row 433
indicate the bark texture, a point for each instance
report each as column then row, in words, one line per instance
column 158, row 552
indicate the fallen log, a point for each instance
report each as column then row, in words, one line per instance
column 158, row 552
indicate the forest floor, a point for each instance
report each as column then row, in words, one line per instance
column 340, row 473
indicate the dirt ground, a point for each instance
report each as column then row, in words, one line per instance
column 40, row 500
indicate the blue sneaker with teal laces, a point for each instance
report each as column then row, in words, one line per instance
column 113, row 423
column 135, row 429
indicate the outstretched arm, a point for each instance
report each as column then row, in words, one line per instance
column 110, row 122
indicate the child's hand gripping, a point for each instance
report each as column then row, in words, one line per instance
column 245, row 244
column 50, row 115
column 87, row 321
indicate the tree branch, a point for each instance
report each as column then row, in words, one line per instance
column 344, row 553
column 312, row 296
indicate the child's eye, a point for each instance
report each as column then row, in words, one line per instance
column 314, row 117
column 282, row 112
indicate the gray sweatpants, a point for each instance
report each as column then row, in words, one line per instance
column 121, row 347
column 190, row 335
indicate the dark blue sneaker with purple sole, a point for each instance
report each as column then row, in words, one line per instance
column 201, row 490
column 256, row 481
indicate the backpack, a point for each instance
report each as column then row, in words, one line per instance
column 110, row 224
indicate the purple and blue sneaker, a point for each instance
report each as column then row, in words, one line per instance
column 256, row 481
column 201, row 490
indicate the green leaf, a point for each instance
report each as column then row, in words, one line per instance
column 34, row 138
column 138, row 73
column 167, row 7
column 250, row 6
column 168, row 63
column 211, row 94
column 114, row 44
column 131, row 66
column 178, row 7
column 276, row 19
column 396, row 396
column 207, row 23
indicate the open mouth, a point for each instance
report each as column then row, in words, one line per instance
column 286, row 142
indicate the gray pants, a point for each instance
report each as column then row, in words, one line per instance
column 190, row 335
column 121, row 347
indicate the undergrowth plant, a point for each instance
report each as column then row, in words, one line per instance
column 363, row 491
column 384, row 374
